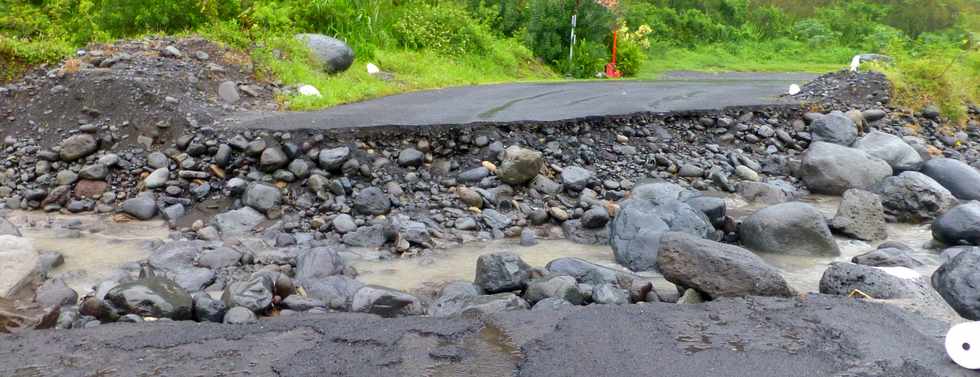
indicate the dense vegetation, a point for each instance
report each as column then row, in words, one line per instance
column 434, row 43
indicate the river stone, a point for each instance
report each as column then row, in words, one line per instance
column 501, row 272
column 8, row 229
column 790, row 228
column 595, row 218
column 452, row 298
column 634, row 233
column 519, row 165
column 344, row 223
column 553, row 304
column 207, row 309
column 483, row 305
column 410, row 157
column 157, row 179
column 372, row 201
column 842, row 278
column 238, row 222
column 262, row 197
column 714, row 208
column 151, row 297
column 561, row 286
column 239, row 316
column 716, row 269
column 891, row 149
column 332, row 54
column 318, row 263
column 333, row 159
column 219, row 257
column 959, row 226
column 959, row 178
column 957, row 280
column 386, row 302
column 913, row 197
column 78, row 146
column 254, row 294
column 608, row 294
column 772, row 192
column 55, row 293
column 835, row 128
column 335, row 291
column 228, row 92
column 369, row 236
column 575, row 178
column 832, row 169
column 662, row 192
column 95, row 172
column 273, row 158
column 887, row 257
column 587, row 272
column 575, row 231
column 860, row 216
column 142, row 207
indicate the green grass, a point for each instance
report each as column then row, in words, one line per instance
column 946, row 78
column 744, row 57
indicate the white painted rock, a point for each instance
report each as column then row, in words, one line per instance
column 19, row 263
column 309, row 90
column 372, row 69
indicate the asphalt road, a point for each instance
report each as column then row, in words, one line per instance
column 542, row 101
column 819, row 336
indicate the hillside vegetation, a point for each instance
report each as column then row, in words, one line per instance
column 438, row 43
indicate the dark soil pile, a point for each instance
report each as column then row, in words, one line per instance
column 846, row 88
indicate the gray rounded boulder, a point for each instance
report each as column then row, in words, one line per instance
column 959, row 226
column 835, row 127
column 832, row 169
column 635, row 232
column 957, row 281
column 913, row 197
column 890, row 148
column 790, row 228
column 335, row 55
column 959, row 178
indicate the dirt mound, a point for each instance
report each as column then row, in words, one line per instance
column 846, row 88
column 154, row 87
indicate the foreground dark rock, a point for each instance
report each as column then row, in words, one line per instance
column 913, row 197
column 957, row 281
column 790, row 228
column 832, row 169
column 744, row 337
column 959, row 178
column 959, row 226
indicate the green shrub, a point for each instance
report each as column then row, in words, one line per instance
column 630, row 56
column 589, row 59
column 549, row 27
column 506, row 17
column 444, row 28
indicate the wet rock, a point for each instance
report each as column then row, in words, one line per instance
column 842, row 278
column 636, row 230
column 959, row 226
column 273, row 158
column 717, row 269
column 142, row 207
column 887, row 257
column 574, row 231
column 333, row 159
column 913, row 197
column 318, row 263
column 962, row 180
column 545, row 185
column 219, row 257
column 262, row 197
column 957, row 280
column 474, row 175
column 372, row 201
column 78, row 146
column 832, row 169
column 595, row 218
column 835, row 128
column 501, row 272
column 207, row 309
column 608, row 294
column 254, row 294
column 410, row 157
column 173, row 213
column 300, row 168
column 496, row 220
column 301, row 303
column 519, row 165
column 891, row 149
column 369, row 236
column 238, row 222
column 575, row 178
column 386, row 302
column 239, row 316
column 336, row 291
column 714, row 208
column 789, row 228
column 95, row 172
column 528, row 237
column 55, row 293
column 559, row 286
column 151, row 297
column 50, row 260
column 587, row 272
column 861, row 216
column 344, row 223
column 332, row 54
column 491, row 304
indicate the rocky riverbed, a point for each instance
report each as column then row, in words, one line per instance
column 174, row 213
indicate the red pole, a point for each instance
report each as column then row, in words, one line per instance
column 615, row 38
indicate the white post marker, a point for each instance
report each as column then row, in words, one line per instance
column 855, row 63
column 963, row 345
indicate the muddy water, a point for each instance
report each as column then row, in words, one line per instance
column 93, row 245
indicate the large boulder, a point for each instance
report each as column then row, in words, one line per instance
column 254, row 294
column 19, row 264
column 716, row 269
column 790, row 228
column 151, row 297
column 501, row 272
column 891, row 149
column 333, row 54
column 860, row 216
column 519, row 165
column 335, row 291
column 318, row 263
column 386, row 302
column 959, row 178
column 587, row 272
column 835, row 127
column 957, row 281
column 832, row 169
column 635, row 232
column 913, row 197
column 842, row 278
column 959, row 226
